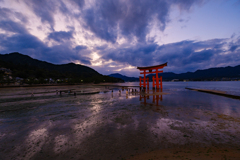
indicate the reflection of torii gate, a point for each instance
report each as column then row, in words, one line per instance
column 155, row 100
column 156, row 80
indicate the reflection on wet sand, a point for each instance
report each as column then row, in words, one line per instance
column 151, row 99
column 156, row 97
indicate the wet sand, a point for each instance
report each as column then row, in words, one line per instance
column 194, row 153
column 116, row 125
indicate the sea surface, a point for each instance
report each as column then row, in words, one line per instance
column 230, row 87
column 112, row 124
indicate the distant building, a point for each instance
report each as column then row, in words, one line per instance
column 6, row 71
column 19, row 79
column 175, row 80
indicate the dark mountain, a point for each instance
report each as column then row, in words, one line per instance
column 125, row 78
column 21, row 59
column 26, row 67
column 206, row 74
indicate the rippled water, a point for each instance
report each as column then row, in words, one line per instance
column 114, row 125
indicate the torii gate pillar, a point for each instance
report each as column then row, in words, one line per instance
column 156, row 81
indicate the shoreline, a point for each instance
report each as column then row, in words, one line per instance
column 42, row 85
column 62, row 84
column 99, row 84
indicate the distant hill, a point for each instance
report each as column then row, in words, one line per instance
column 222, row 73
column 206, row 74
column 24, row 66
column 125, row 78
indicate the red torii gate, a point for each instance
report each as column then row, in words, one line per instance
column 150, row 70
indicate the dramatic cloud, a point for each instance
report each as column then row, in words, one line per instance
column 61, row 36
column 45, row 9
column 80, row 3
column 31, row 45
column 7, row 13
column 181, row 56
column 109, row 18
column 115, row 35
column 12, row 27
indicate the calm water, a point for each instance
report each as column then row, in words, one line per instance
column 115, row 125
column 231, row 87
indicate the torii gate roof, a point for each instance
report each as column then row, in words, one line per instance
column 153, row 67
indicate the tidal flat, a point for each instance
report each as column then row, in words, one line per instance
column 100, row 124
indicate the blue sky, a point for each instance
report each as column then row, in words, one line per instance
column 116, row 36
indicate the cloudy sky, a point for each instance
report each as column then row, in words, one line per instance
column 116, row 36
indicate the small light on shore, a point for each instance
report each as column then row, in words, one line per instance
column 81, row 80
